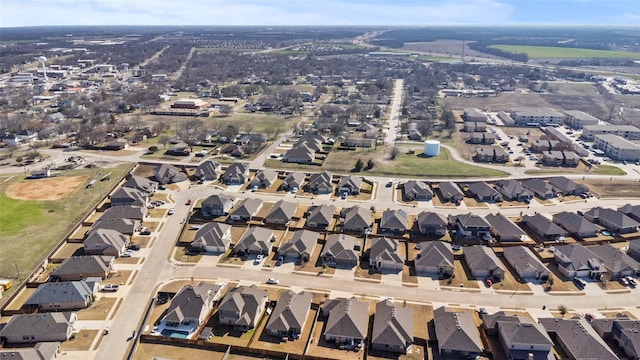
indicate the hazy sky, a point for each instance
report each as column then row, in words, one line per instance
column 318, row 12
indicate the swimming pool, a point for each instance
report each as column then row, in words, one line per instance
column 175, row 333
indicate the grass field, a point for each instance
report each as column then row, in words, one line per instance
column 537, row 52
column 407, row 165
column 30, row 229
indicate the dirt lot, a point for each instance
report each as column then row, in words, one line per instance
column 151, row 351
column 45, row 189
column 613, row 188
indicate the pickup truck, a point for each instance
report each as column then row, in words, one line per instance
column 110, row 287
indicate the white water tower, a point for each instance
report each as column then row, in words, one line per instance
column 432, row 147
column 43, row 61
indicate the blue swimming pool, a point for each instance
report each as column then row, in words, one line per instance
column 175, row 333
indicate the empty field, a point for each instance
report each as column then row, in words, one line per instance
column 564, row 53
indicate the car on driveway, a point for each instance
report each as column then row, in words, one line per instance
column 272, row 281
column 188, row 202
column 259, row 258
column 589, row 317
column 488, row 282
column 145, row 232
column 171, row 211
column 110, row 287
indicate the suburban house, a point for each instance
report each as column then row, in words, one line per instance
column 125, row 212
column 179, row 149
column 520, row 337
column 236, row 173
column 481, row 191
column 39, row 351
column 483, row 262
column 416, row 190
column 350, row 184
column 392, row 328
column 209, row 170
column 540, row 188
column 64, row 295
column 126, row 196
column 105, row 242
column 340, row 251
column 356, row 219
column 80, row 267
column 613, row 220
column 242, row 307
column 169, row 174
column 525, row 262
column 384, row 256
column 141, row 183
column 213, row 237
column 577, row 260
column 40, row 327
column 300, row 153
column 347, row 321
column 217, row 205
column 576, row 224
column 513, row 190
column 504, row 229
column 289, row 315
column 293, row 180
column 457, row 334
column 617, row 263
column 321, row 183
column 281, row 213
column 577, row 339
column 450, row 191
column 632, row 211
column 256, row 240
column 264, row 178
column 470, row 226
column 246, row 210
column 123, row 226
column 320, row 216
column 626, row 333
column 435, row 258
column 190, row 307
column 431, row 224
column 566, row 186
column 300, row 246
column 546, row 229
column 394, row 221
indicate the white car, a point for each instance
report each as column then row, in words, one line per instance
column 259, row 258
column 171, row 211
column 272, row 281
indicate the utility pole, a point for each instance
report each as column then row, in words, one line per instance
column 18, row 271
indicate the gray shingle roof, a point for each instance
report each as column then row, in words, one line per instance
column 481, row 258
column 340, row 247
column 356, row 217
column 101, row 240
column 321, row 214
column 427, row 219
column 482, row 190
column 61, row 292
column 347, row 318
column 212, row 234
column 40, row 351
column 385, row 251
column 435, row 253
column 167, row 174
column 574, row 223
column 392, row 325
column 579, row 339
column 209, row 170
column 394, row 219
column 523, row 260
column 543, row 226
column 124, row 212
column 140, row 183
column 302, row 242
column 39, row 324
column 294, row 179
column 248, row 207
column 614, row 259
column 282, row 211
column 456, row 331
column 504, row 227
column 124, row 226
column 255, row 240
column 290, row 312
column 416, row 189
column 449, row 189
column 192, row 302
column 567, row 185
column 244, row 302
column 84, row 265
column 617, row 218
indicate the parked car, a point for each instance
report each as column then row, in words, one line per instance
column 162, row 187
column 589, row 317
column 632, row 281
column 623, row 281
column 254, row 188
column 488, row 282
column 134, row 247
column 294, row 189
column 259, row 258
column 110, row 287
column 171, row 211
column 145, row 232
column 272, row 281
column 188, row 202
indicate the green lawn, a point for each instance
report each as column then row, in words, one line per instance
column 609, row 170
column 565, row 53
column 256, row 123
column 30, row 229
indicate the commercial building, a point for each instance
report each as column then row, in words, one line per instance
column 535, row 116
column 625, row 131
column 577, row 119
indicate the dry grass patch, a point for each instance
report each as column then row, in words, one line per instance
column 461, row 277
column 314, row 265
column 80, row 342
column 54, row 188
column 68, row 250
column 98, row 310
column 147, row 351
column 117, row 277
column 157, row 213
column 604, row 188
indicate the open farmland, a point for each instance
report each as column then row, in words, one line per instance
column 442, row 46
column 539, row 52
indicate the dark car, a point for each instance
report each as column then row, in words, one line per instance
column 134, row 247
column 145, row 232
